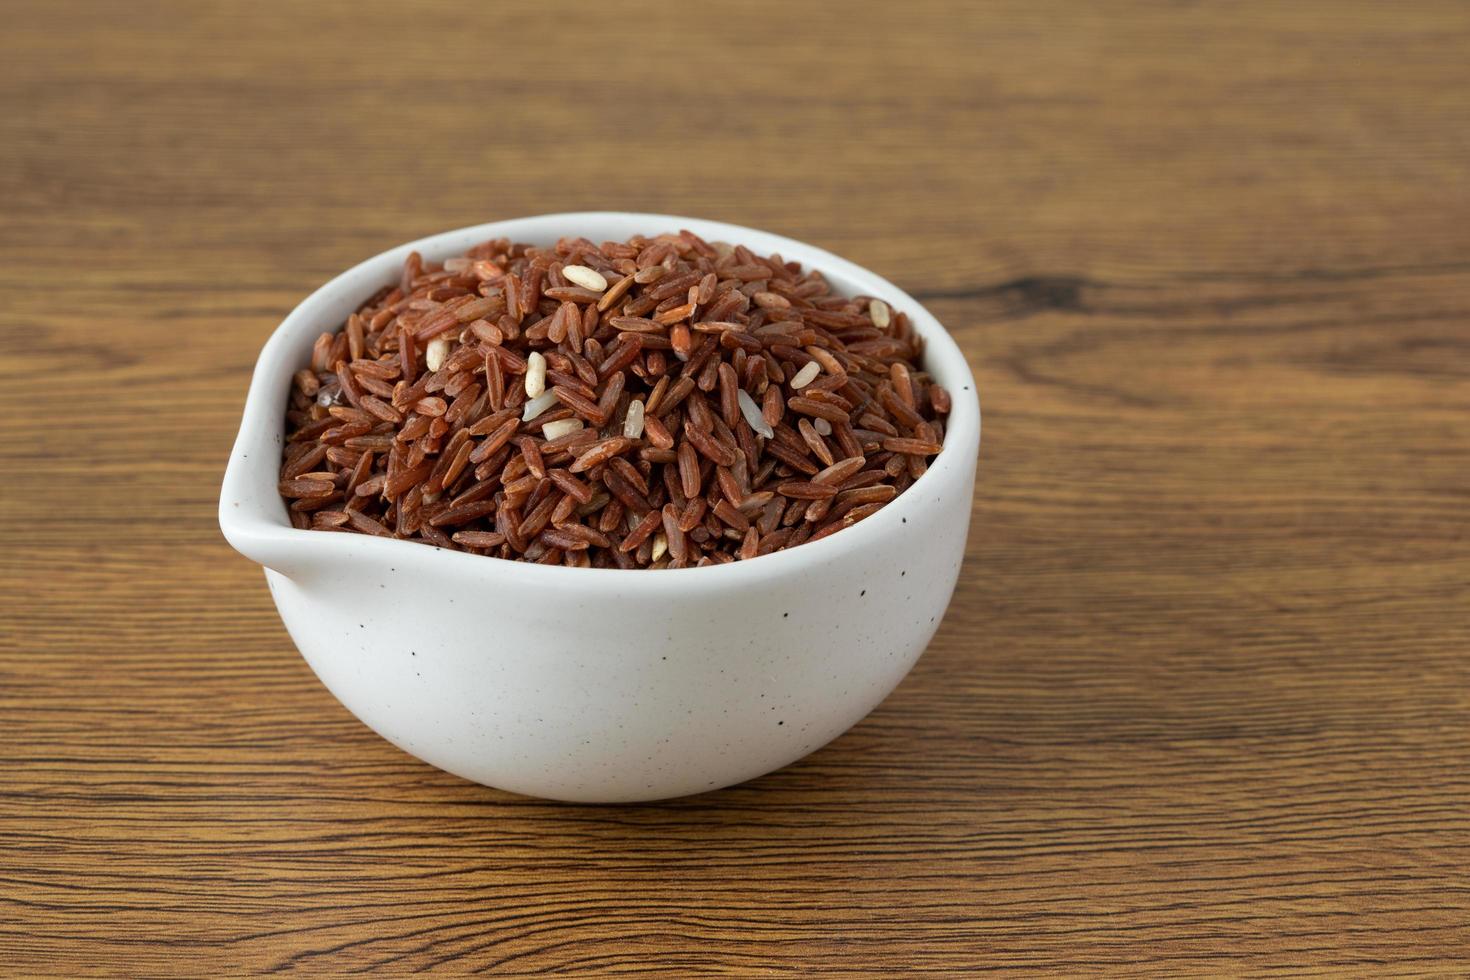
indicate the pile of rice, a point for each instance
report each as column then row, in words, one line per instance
column 662, row 402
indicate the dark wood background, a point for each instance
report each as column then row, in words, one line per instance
column 1202, row 702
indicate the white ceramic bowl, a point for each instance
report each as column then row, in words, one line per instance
column 605, row 685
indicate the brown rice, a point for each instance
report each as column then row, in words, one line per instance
column 662, row 402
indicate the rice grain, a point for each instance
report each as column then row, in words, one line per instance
column 584, row 277
column 806, row 375
column 562, row 427
column 633, row 421
column 535, row 374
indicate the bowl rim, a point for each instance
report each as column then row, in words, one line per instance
column 254, row 521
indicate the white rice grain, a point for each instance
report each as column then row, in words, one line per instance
column 823, row 427
column 584, row 277
column 436, row 352
column 752, row 413
column 559, row 428
column 879, row 312
column 806, row 375
column 537, row 405
column 535, row 374
column 633, row 423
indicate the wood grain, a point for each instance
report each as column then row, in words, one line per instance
column 1202, row 703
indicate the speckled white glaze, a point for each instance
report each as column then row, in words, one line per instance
column 604, row 685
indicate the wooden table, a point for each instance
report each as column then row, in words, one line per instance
column 1202, row 702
